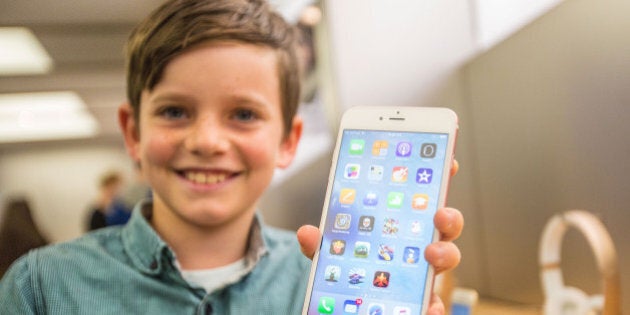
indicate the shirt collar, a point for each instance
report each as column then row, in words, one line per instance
column 257, row 246
column 148, row 252
column 143, row 245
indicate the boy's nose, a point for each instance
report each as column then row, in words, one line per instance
column 207, row 137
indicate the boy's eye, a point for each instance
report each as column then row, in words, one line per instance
column 244, row 115
column 172, row 112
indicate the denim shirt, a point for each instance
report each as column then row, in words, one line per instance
column 130, row 270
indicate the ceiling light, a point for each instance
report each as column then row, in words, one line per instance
column 44, row 116
column 21, row 53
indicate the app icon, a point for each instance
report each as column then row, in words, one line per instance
column 357, row 146
column 366, row 223
column 424, row 176
column 395, row 200
column 342, row 221
column 416, row 227
column 390, row 226
column 361, row 249
column 399, row 174
column 347, row 195
column 428, row 150
column 403, row 149
column 326, row 305
column 411, row 255
column 370, row 199
column 332, row 273
column 379, row 148
column 376, row 172
column 356, row 276
column 381, row 279
column 352, row 171
column 351, row 307
column 376, row 309
column 402, row 310
column 420, row 201
column 385, row 252
column 338, row 247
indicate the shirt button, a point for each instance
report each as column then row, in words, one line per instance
column 153, row 265
column 209, row 309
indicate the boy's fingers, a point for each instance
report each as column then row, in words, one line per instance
column 449, row 222
column 436, row 307
column 442, row 256
column 308, row 236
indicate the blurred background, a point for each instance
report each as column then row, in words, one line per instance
column 542, row 90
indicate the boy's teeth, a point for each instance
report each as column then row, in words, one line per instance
column 203, row 178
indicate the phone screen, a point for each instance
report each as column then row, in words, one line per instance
column 379, row 219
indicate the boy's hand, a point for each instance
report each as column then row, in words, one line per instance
column 442, row 255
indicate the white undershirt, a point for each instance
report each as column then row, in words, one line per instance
column 215, row 278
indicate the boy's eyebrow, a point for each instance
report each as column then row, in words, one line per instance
column 241, row 98
column 252, row 99
column 163, row 96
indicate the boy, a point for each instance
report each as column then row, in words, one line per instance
column 213, row 91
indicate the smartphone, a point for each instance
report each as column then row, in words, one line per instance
column 389, row 175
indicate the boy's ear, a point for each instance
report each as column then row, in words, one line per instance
column 129, row 129
column 289, row 144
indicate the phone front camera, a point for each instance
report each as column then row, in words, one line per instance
column 380, row 118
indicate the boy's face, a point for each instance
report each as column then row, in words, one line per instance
column 210, row 133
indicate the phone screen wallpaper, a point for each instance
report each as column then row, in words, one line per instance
column 379, row 220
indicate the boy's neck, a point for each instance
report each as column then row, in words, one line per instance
column 198, row 247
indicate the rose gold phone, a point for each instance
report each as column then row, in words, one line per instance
column 389, row 175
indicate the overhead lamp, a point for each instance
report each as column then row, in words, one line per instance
column 44, row 116
column 21, row 53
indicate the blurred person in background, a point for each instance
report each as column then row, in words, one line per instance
column 18, row 232
column 110, row 185
column 124, row 202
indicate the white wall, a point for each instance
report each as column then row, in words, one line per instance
column 396, row 52
column 60, row 181
column 496, row 20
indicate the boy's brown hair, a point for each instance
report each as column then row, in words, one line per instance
column 178, row 25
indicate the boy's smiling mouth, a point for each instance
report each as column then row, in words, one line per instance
column 205, row 178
